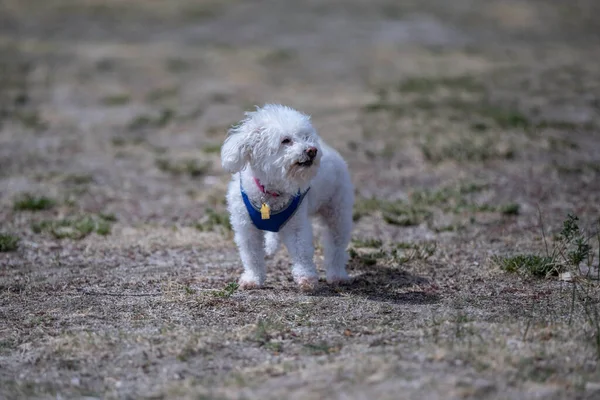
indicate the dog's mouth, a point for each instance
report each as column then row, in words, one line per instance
column 307, row 163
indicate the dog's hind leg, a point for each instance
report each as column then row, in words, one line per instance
column 336, row 236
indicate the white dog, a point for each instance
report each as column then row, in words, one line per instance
column 283, row 173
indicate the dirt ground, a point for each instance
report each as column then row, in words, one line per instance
column 471, row 128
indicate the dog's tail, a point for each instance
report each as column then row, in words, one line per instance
column 271, row 243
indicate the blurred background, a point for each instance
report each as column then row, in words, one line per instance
column 137, row 95
column 465, row 124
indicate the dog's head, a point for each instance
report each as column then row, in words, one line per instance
column 277, row 142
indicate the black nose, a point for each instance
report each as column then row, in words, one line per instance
column 311, row 152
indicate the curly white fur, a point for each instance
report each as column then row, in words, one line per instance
column 271, row 144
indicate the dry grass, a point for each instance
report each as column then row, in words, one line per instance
column 471, row 280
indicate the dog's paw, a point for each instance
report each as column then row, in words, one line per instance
column 307, row 283
column 249, row 282
column 339, row 279
column 249, row 285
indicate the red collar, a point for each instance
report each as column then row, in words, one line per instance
column 262, row 188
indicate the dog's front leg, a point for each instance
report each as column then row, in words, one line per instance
column 250, row 242
column 298, row 239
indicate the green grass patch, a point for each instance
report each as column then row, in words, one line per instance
column 321, row 348
column 212, row 220
column 78, row 179
column 367, row 259
column 148, row 121
column 8, row 242
column 30, row 119
column 404, row 253
column 506, row 118
column 449, row 228
column 510, row 209
column 455, row 199
column 571, row 247
column 30, row 202
column 266, row 330
column 422, row 204
column 109, row 217
column 465, row 148
column 197, row 12
column 190, row 167
column 367, row 243
column 279, row 56
column 162, row 94
column 177, row 65
column 227, row 291
column 378, row 106
column 211, row 148
column 446, row 196
column 116, row 100
column 428, row 85
column 399, row 253
column 392, row 212
column 73, row 228
column 531, row 264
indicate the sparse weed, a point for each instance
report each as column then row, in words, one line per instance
column 572, row 247
column 176, row 65
column 8, row 242
column 448, row 228
column 261, row 333
column 453, row 198
column 108, row 217
column 211, row 148
column 275, row 347
column 368, row 259
column 161, row 94
column 532, row 264
column 103, row 227
column 400, row 254
column 116, row 100
column 189, row 290
column 460, row 328
column 393, row 212
column 266, row 331
column 29, row 202
column 148, row 121
column 423, row 203
column 199, row 11
column 369, row 243
column 510, row 209
column 465, row 149
column 73, row 228
column 78, row 179
column 321, row 348
column 505, row 118
column 188, row 167
column 279, row 56
column 213, row 219
column 381, row 106
column 227, row 291
column 30, row 119
column 428, row 85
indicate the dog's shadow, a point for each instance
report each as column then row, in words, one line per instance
column 384, row 284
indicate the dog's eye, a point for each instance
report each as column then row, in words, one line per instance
column 286, row 141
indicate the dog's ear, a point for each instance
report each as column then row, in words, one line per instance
column 235, row 152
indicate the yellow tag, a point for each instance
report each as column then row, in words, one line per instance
column 265, row 211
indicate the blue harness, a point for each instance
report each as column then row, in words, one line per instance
column 278, row 218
